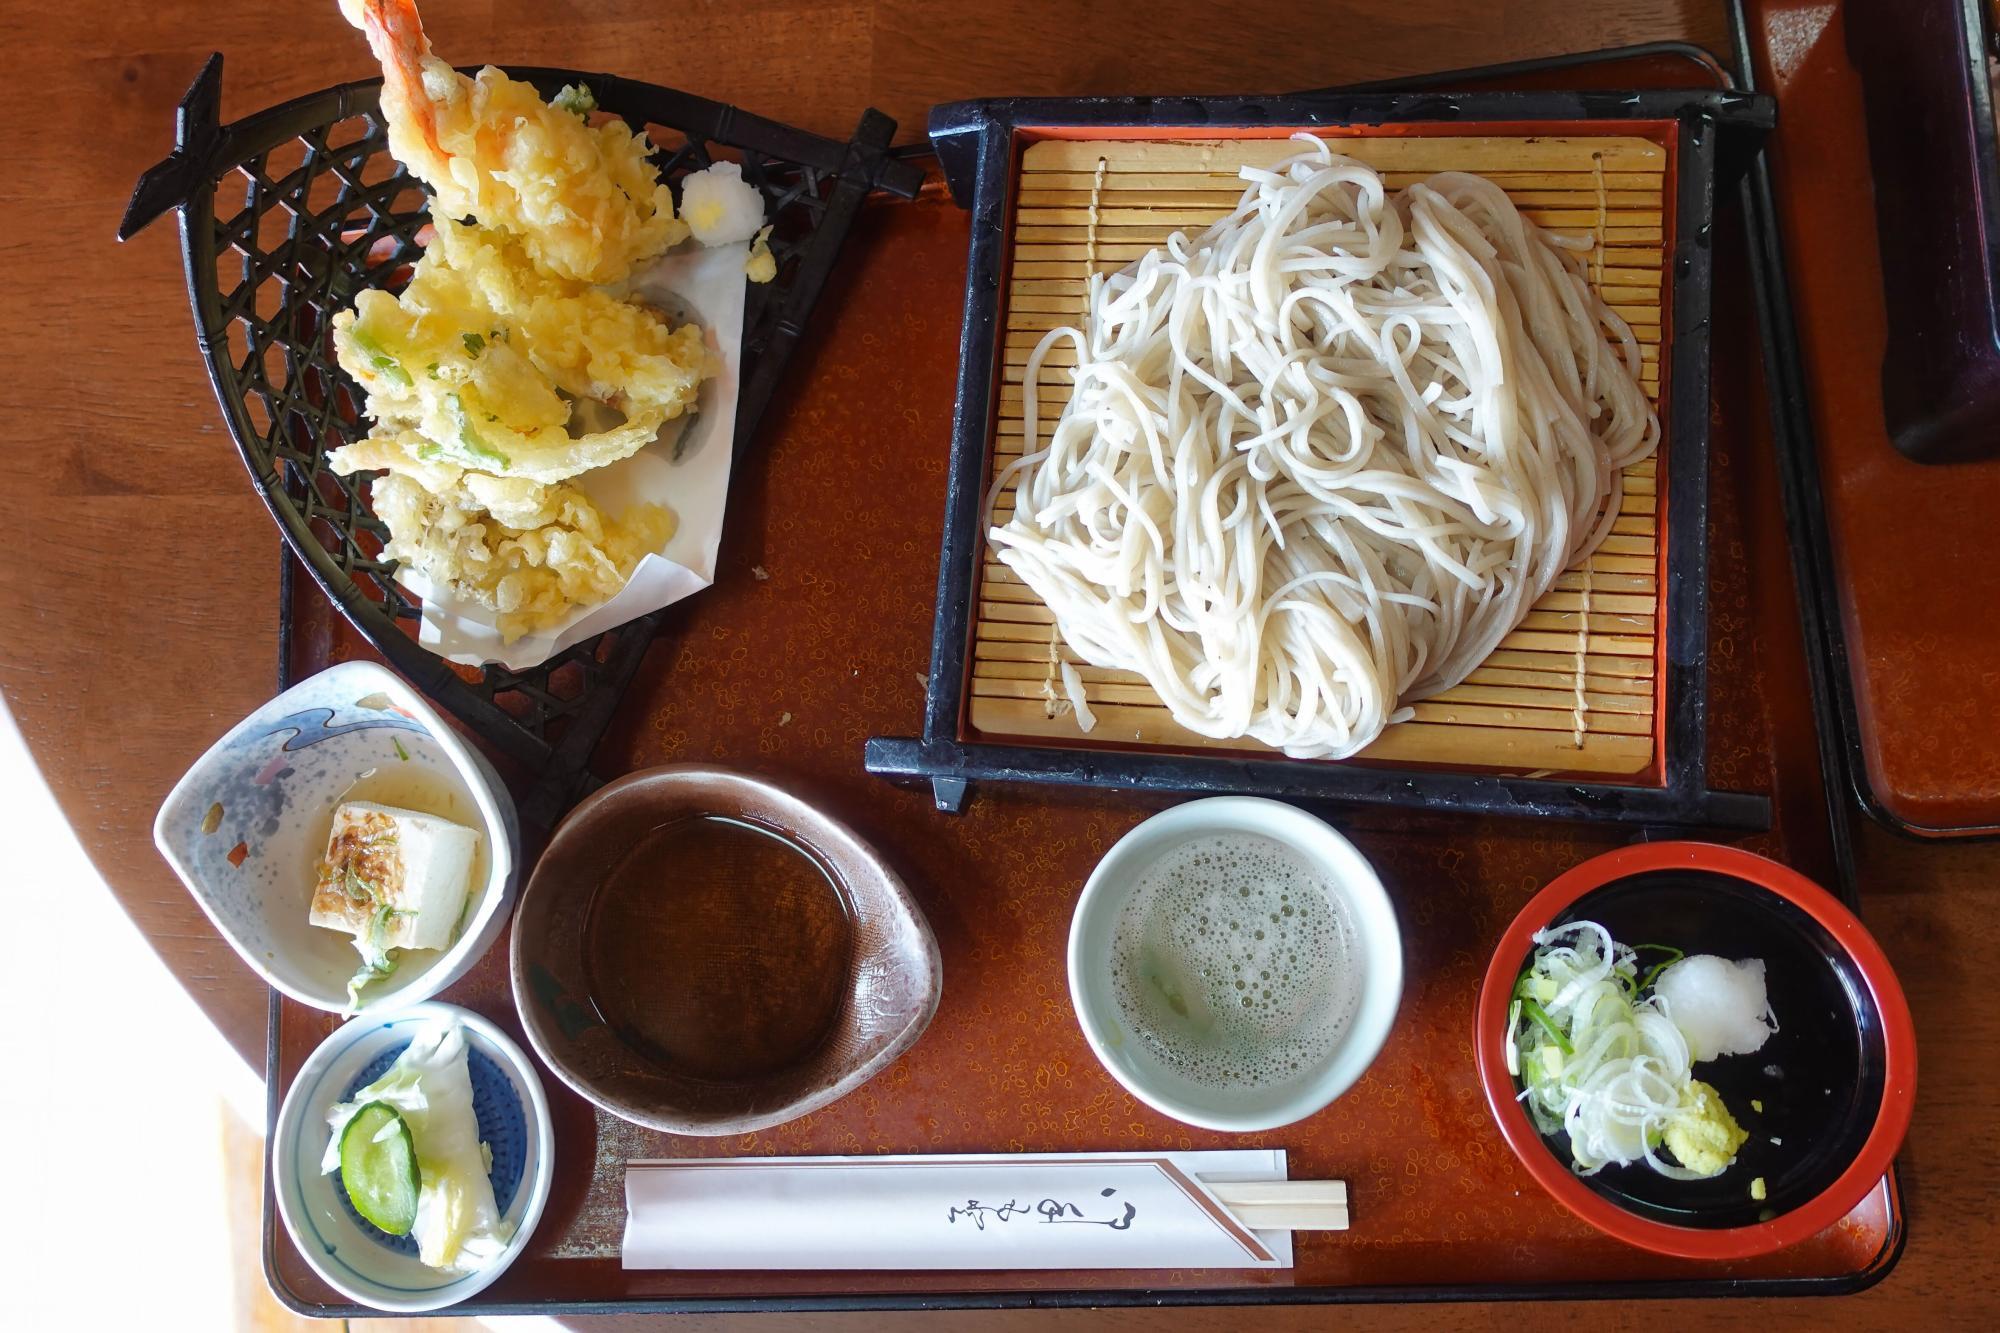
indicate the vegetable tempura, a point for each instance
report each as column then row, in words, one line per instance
column 515, row 360
column 480, row 360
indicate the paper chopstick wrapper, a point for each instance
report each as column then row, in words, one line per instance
column 689, row 477
column 1005, row 1211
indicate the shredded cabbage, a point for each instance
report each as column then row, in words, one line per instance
column 458, row 1227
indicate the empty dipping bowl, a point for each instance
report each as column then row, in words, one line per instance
column 1235, row 963
column 1826, row 1100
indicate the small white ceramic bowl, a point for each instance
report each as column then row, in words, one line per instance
column 1243, row 1109
column 245, row 829
column 360, row 1262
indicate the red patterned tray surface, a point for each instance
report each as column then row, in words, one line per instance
column 787, row 675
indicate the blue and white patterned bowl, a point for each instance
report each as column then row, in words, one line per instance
column 356, row 1259
column 245, row 828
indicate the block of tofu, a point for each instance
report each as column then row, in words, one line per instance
column 394, row 879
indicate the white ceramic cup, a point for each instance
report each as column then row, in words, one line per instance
column 1378, row 953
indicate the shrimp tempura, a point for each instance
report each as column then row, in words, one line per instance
column 582, row 200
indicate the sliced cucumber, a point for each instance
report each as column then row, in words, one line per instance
column 378, row 1165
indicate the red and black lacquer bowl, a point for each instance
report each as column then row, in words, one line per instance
column 1836, row 1082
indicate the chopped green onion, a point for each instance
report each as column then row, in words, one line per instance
column 1530, row 986
column 359, row 887
column 1547, row 1024
column 469, row 439
column 1654, row 971
column 401, row 753
column 383, row 916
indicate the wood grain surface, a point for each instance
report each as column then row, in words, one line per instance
column 138, row 573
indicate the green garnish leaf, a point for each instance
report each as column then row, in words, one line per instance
column 575, row 98
column 375, row 965
column 474, row 344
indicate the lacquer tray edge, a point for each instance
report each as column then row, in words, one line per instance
column 1869, row 1274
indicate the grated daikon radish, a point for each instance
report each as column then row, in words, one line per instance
column 1721, row 1007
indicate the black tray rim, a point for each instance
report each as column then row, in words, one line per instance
column 1779, row 338
column 976, row 142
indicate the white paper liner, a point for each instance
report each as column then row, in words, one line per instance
column 1131, row 1210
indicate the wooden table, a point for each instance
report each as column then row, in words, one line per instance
column 138, row 571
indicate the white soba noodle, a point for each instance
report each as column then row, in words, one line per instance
column 1320, row 459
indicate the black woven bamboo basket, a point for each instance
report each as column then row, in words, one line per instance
column 324, row 212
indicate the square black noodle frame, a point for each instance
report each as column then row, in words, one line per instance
column 978, row 145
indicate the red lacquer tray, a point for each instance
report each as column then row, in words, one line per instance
column 1909, row 553
column 785, row 675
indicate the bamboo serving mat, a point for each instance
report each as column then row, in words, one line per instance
column 1573, row 688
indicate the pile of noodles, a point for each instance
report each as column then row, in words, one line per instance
column 1319, row 460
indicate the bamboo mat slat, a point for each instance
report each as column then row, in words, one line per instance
column 1418, row 153
column 1516, row 183
column 1595, row 629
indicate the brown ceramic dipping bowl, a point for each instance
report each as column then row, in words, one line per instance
column 678, row 965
